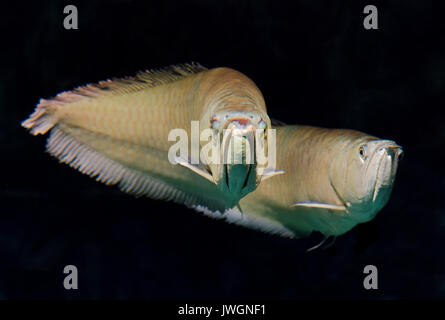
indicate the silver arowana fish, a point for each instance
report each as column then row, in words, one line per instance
column 118, row 130
column 334, row 179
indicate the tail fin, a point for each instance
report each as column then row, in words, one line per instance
column 42, row 119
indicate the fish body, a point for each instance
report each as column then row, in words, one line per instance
column 140, row 112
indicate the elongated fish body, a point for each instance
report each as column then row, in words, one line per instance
column 118, row 130
column 334, row 180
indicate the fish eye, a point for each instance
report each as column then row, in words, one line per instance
column 261, row 125
column 400, row 156
column 215, row 123
column 363, row 152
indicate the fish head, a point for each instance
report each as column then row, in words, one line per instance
column 363, row 174
column 236, row 113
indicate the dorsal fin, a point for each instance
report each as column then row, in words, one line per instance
column 142, row 80
column 152, row 78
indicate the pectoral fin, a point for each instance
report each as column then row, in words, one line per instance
column 269, row 173
column 200, row 170
column 320, row 206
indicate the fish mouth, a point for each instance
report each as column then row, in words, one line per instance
column 387, row 154
column 239, row 138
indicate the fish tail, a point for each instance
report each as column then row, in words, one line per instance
column 43, row 118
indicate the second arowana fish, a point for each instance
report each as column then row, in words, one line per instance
column 118, row 129
column 334, row 179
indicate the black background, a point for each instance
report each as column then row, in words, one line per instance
column 315, row 64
